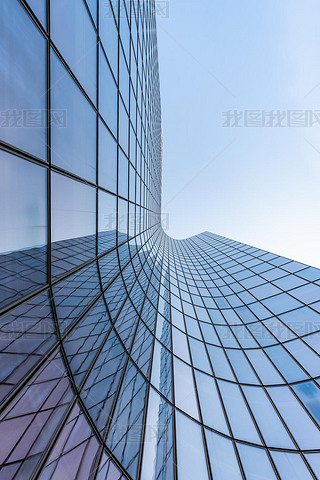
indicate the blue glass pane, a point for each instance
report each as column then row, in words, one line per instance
column 269, row 423
column 161, row 369
column 185, row 396
column 99, row 391
column 158, row 441
column 85, row 340
column 291, row 465
column 190, row 449
column 92, row 4
column 304, row 431
column 122, row 220
column 211, row 407
column 239, row 417
column 73, row 223
column 107, row 222
column 26, row 334
column 23, row 218
column 109, row 33
column 73, row 141
column 22, row 80
column 74, row 294
column 107, row 159
column 255, row 462
column 285, row 363
column 124, row 438
column 74, row 36
column 39, row 8
column 309, row 394
column 222, row 457
column 108, row 94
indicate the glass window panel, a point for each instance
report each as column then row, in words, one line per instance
column 133, row 220
column 199, row 355
column 75, row 450
column 309, row 394
column 74, row 36
column 122, row 220
column 286, row 365
column 255, row 462
column 209, row 333
column 177, row 317
column 107, row 223
column 271, row 427
column 190, row 449
column 180, row 345
column 211, row 408
column 281, row 303
column 23, row 218
column 262, row 334
column 185, row 396
column 92, row 4
column 239, row 417
column 310, row 273
column 74, row 294
column 314, row 461
column 22, row 80
column 39, row 407
column 123, row 175
column 26, row 334
column 83, row 343
column 158, row 442
column 241, row 366
column 223, row 461
column 109, row 33
column 264, row 291
column 161, row 369
column 107, row 159
column 264, row 368
column 100, row 388
column 107, row 470
column 302, row 321
column 124, row 29
column 313, row 341
column 39, row 8
column 307, row 294
column 220, row 363
column 73, row 223
column 226, row 336
column 124, row 79
column 305, row 432
column 141, row 351
column 279, row 330
column 288, row 282
column 108, row 94
column 163, row 332
column 74, row 141
column 291, row 466
column 132, row 184
column 124, row 438
column 307, row 358
column 244, row 336
column 193, row 327
column 123, row 127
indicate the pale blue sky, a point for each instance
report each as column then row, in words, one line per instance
column 257, row 185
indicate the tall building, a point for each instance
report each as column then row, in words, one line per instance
column 125, row 354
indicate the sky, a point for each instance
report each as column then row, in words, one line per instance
column 256, row 184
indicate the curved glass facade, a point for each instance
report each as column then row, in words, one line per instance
column 125, row 354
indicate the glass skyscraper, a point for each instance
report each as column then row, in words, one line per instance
column 125, row 354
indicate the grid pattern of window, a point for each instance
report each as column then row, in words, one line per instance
column 126, row 354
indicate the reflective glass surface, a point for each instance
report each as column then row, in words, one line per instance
column 126, row 354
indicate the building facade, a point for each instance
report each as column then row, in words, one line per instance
column 125, row 354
